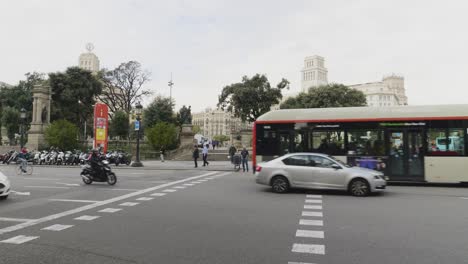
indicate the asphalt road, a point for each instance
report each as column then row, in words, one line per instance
column 190, row 216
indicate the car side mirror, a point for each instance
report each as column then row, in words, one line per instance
column 336, row 167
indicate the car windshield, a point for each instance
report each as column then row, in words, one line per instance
column 339, row 161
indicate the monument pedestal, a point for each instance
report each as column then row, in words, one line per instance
column 40, row 116
column 36, row 137
column 186, row 135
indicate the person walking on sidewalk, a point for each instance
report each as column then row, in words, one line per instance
column 162, row 154
column 205, row 155
column 195, row 155
column 245, row 159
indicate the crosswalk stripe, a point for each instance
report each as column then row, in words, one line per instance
column 313, row 207
column 311, row 213
column 57, row 227
column 309, row 248
column 310, row 233
column 311, row 222
column 19, row 239
column 313, row 201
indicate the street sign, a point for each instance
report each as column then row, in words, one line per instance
column 137, row 125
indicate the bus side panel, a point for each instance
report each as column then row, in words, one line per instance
column 254, row 147
column 446, row 169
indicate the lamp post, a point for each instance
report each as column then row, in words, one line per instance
column 23, row 119
column 138, row 111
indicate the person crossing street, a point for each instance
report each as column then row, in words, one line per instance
column 205, row 155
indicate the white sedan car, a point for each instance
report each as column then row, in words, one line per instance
column 318, row 171
column 4, row 186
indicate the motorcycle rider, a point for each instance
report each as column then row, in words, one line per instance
column 95, row 162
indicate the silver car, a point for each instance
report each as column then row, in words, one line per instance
column 318, row 171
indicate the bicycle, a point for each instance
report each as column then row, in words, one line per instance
column 24, row 168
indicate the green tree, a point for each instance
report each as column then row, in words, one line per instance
column 332, row 95
column 196, row 129
column 252, row 97
column 162, row 135
column 119, row 125
column 10, row 120
column 62, row 134
column 74, row 94
column 20, row 96
column 123, row 86
column 221, row 138
column 160, row 110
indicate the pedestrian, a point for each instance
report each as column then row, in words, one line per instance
column 205, row 155
column 245, row 159
column 161, row 154
column 214, row 144
column 232, row 151
column 195, row 155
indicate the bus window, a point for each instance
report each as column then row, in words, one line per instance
column 439, row 142
column 328, row 142
column 366, row 142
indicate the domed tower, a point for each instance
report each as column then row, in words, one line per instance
column 397, row 85
column 89, row 61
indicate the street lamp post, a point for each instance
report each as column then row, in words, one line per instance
column 138, row 111
column 23, row 119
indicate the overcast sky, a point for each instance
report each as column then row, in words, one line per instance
column 208, row 44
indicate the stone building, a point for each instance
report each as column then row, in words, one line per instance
column 389, row 92
column 313, row 73
column 88, row 60
column 214, row 122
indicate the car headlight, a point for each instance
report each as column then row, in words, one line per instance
column 379, row 177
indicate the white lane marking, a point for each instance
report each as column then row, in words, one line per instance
column 116, row 189
column 94, row 205
column 210, row 178
column 87, row 217
column 314, row 196
column 57, row 227
column 74, row 201
column 137, row 173
column 189, row 184
column 310, row 233
column 145, row 198
column 47, row 187
column 202, row 180
column 20, row 193
column 311, row 213
column 110, row 210
column 26, row 178
column 158, row 194
column 466, row 198
column 19, row 239
column 196, row 182
column 313, row 207
column 8, row 219
column 169, row 190
column 313, row 201
column 289, row 262
column 311, row 222
column 67, row 184
column 309, row 248
column 179, row 187
column 128, row 204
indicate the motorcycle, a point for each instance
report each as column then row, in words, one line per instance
column 88, row 175
column 122, row 158
column 60, row 158
column 37, row 158
column 43, row 158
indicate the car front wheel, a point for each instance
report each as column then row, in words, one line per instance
column 280, row 184
column 359, row 187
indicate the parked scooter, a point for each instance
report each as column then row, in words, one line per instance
column 105, row 174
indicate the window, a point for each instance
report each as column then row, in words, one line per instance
column 366, row 142
column 446, row 142
column 298, row 160
column 329, row 142
column 321, row 162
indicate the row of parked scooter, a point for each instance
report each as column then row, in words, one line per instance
column 57, row 157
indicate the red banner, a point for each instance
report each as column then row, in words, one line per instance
column 101, row 126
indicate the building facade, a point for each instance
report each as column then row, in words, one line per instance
column 389, row 92
column 313, row 73
column 88, row 60
column 214, row 122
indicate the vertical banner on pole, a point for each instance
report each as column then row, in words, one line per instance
column 101, row 125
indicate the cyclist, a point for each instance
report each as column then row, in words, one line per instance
column 22, row 159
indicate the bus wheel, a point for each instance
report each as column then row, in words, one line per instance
column 279, row 184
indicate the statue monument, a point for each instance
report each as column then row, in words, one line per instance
column 40, row 116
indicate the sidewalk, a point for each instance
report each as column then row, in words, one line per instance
column 184, row 165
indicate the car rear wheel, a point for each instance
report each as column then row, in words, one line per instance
column 359, row 187
column 280, row 184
